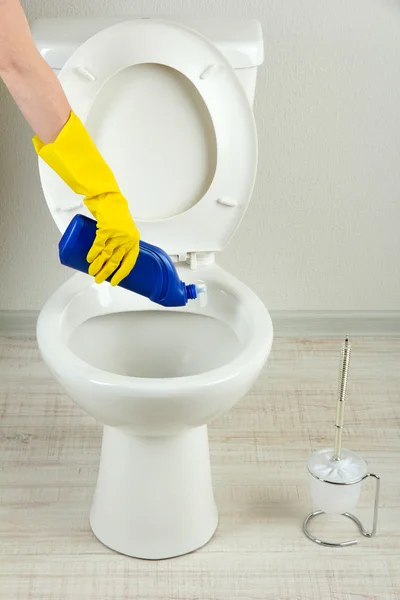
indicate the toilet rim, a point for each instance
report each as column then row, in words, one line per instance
column 49, row 337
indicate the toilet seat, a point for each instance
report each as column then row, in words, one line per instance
column 208, row 225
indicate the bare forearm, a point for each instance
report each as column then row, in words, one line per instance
column 31, row 82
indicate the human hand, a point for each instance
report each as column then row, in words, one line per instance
column 75, row 158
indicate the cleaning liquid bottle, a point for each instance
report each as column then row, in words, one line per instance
column 154, row 274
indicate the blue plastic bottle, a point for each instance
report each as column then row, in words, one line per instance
column 154, row 274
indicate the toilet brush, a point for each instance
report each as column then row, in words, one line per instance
column 336, row 475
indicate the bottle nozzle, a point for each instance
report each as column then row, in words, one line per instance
column 197, row 290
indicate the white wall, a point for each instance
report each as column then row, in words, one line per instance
column 322, row 231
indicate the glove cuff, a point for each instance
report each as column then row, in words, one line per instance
column 74, row 157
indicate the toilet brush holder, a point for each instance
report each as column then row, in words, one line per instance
column 336, row 475
column 335, row 488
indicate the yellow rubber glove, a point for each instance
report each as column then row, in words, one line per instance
column 75, row 158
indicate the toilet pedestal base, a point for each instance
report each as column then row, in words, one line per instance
column 154, row 496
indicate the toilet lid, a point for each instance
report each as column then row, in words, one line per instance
column 172, row 120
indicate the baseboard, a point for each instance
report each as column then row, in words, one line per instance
column 315, row 323
column 286, row 323
column 18, row 322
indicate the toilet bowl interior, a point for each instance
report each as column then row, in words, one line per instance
column 155, row 344
column 131, row 336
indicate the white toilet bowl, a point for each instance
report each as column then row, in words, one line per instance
column 170, row 107
column 155, row 377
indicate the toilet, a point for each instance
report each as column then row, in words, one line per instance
column 169, row 105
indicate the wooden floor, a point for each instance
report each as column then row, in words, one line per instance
column 49, row 453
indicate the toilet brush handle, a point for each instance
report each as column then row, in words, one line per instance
column 343, row 377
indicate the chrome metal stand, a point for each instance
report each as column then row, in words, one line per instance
column 348, row 515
